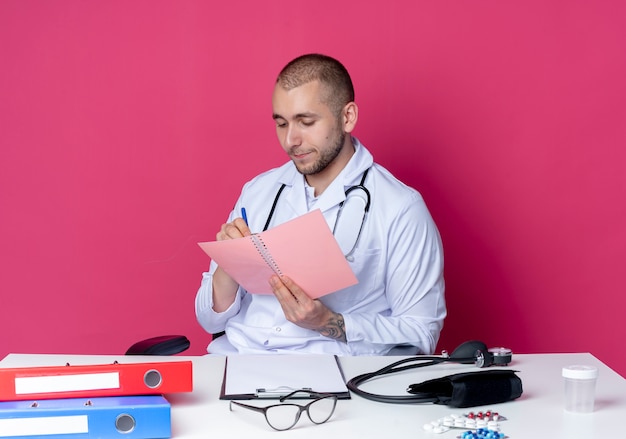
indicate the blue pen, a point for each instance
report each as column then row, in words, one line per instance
column 243, row 215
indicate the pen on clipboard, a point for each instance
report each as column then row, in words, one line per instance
column 244, row 215
column 278, row 392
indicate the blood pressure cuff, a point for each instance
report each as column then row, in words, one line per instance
column 471, row 389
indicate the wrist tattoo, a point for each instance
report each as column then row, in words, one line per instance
column 334, row 328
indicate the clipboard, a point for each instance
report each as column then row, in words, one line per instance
column 270, row 376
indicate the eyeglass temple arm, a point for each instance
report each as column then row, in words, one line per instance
column 251, row 407
column 309, row 392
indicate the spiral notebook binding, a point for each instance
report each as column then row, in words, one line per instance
column 265, row 254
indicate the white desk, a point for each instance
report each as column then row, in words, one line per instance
column 538, row 413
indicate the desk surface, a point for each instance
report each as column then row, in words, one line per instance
column 538, row 413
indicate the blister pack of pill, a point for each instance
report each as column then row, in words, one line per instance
column 479, row 425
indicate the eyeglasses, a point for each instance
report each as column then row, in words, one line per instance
column 284, row 416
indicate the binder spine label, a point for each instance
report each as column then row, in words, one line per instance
column 44, row 426
column 67, row 383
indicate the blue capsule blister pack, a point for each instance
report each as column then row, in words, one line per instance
column 482, row 433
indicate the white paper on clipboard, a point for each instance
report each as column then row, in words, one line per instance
column 250, row 376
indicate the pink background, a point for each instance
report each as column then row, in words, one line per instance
column 128, row 127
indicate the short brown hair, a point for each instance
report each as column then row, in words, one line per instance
column 326, row 70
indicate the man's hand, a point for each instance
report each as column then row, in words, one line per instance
column 236, row 229
column 305, row 312
column 224, row 286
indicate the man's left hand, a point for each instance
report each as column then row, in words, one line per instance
column 305, row 312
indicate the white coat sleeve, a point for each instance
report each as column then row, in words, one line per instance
column 210, row 320
column 414, row 288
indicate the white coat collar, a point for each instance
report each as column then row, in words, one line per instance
column 335, row 192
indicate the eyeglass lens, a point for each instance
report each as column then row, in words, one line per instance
column 285, row 416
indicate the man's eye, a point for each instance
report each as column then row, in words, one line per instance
column 307, row 123
column 281, row 124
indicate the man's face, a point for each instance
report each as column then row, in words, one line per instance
column 309, row 132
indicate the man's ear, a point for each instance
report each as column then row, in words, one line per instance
column 350, row 115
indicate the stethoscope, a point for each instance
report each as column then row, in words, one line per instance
column 358, row 200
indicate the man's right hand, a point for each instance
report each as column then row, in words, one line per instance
column 236, row 229
column 224, row 286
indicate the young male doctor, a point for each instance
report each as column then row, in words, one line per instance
column 394, row 248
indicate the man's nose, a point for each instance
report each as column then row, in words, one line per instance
column 294, row 137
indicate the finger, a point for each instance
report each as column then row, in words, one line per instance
column 286, row 298
column 242, row 226
column 295, row 290
column 236, row 229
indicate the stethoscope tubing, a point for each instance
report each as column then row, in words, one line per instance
column 360, row 186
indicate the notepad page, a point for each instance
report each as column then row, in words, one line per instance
column 265, row 253
column 303, row 249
